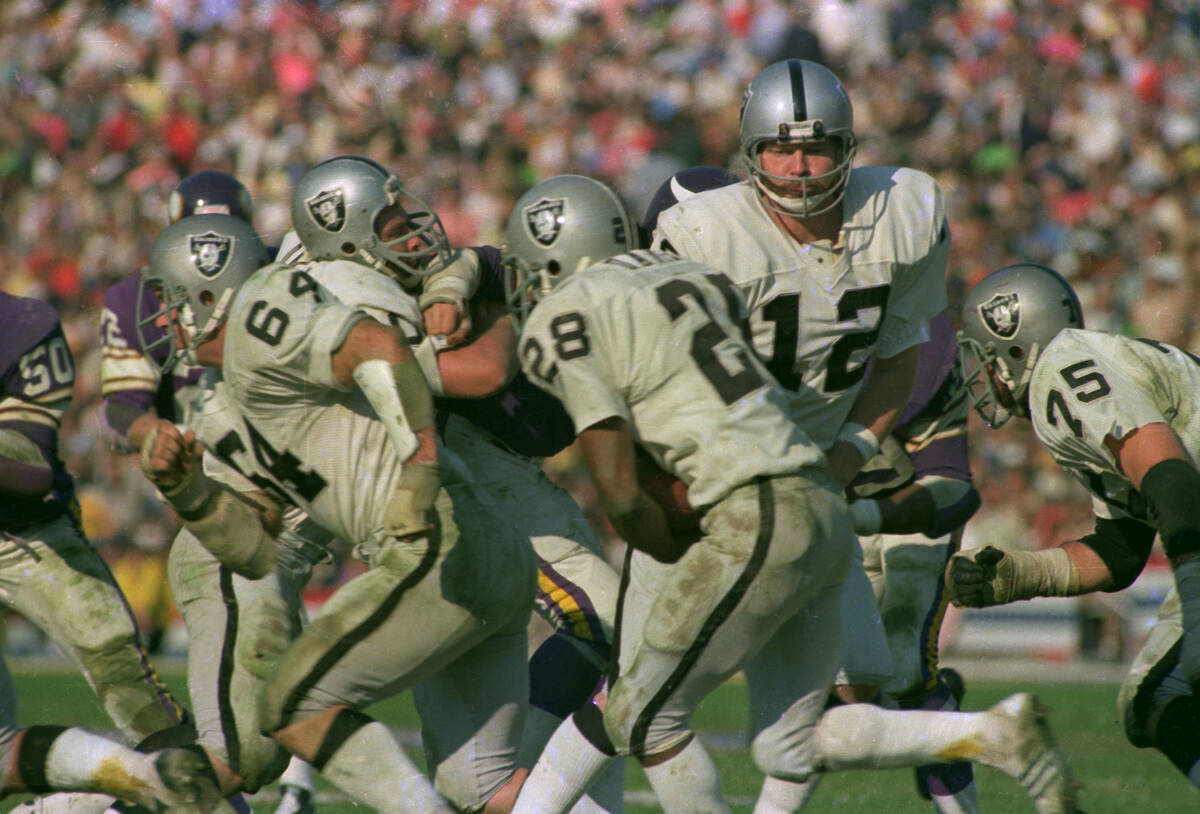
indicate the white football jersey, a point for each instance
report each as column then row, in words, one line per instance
column 1089, row 384
column 368, row 290
column 658, row 341
column 229, row 454
column 819, row 312
column 316, row 441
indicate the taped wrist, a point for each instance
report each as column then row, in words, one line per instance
column 1172, row 490
column 230, row 529
column 861, row 438
column 401, row 400
column 866, row 515
column 407, row 513
column 1027, row 574
column 453, row 283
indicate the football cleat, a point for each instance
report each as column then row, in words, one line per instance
column 189, row 785
column 1019, row 743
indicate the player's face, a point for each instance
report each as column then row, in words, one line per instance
column 810, row 163
column 395, row 223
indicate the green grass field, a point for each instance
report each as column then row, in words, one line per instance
column 1116, row 778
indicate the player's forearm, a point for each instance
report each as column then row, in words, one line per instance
column 484, row 366
column 25, row 480
column 873, row 415
column 642, row 524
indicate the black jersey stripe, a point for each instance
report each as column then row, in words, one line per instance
column 796, row 75
column 766, row 528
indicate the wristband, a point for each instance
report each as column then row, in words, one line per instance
column 861, row 438
column 867, row 517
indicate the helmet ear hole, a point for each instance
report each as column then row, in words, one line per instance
column 207, row 297
column 1016, row 353
column 347, row 248
column 554, row 267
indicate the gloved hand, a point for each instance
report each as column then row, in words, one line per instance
column 979, row 578
column 408, row 513
column 444, row 295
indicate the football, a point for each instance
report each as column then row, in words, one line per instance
column 669, row 492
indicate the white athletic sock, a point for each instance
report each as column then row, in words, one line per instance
column 785, row 796
column 538, row 729
column 298, row 773
column 962, row 802
column 688, row 782
column 373, row 770
column 606, row 795
column 568, row 765
column 65, row 803
column 863, row 736
column 80, row 761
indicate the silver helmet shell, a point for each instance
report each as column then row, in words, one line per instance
column 1008, row 318
column 797, row 101
column 558, row 228
column 339, row 209
column 196, row 267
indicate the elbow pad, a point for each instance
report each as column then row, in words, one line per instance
column 1172, row 489
column 1124, row 546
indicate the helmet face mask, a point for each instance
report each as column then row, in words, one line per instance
column 1008, row 319
column 196, row 267
column 557, row 229
column 797, row 103
column 351, row 208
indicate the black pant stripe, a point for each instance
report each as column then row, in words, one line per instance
column 766, row 514
column 614, row 658
column 364, row 629
column 229, row 727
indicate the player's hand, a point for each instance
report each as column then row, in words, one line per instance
column 410, row 511
column 446, row 320
column 170, row 458
column 979, row 578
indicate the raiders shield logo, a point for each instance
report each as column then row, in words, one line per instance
column 1002, row 315
column 328, row 209
column 210, row 252
column 544, row 220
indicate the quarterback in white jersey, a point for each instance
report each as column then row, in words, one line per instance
column 1120, row 415
column 646, row 350
column 338, row 416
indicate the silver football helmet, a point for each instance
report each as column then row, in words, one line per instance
column 342, row 207
column 797, row 101
column 558, row 228
column 1008, row 319
column 196, row 267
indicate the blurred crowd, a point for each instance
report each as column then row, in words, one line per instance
column 1063, row 132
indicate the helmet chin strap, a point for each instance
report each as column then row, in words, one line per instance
column 806, row 206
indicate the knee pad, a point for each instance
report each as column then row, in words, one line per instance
column 561, row 679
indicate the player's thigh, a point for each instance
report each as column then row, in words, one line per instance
column 1154, row 677
column 385, row 630
column 767, row 551
column 65, row 588
column 865, row 657
column 237, row 631
column 914, row 606
column 472, row 711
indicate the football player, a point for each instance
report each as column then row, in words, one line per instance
column 500, row 424
column 839, row 265
column 54, row 578
column 775, row 537
column 138, row 386
column 909, row 504
column 336, row 420
column 1120, row 415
